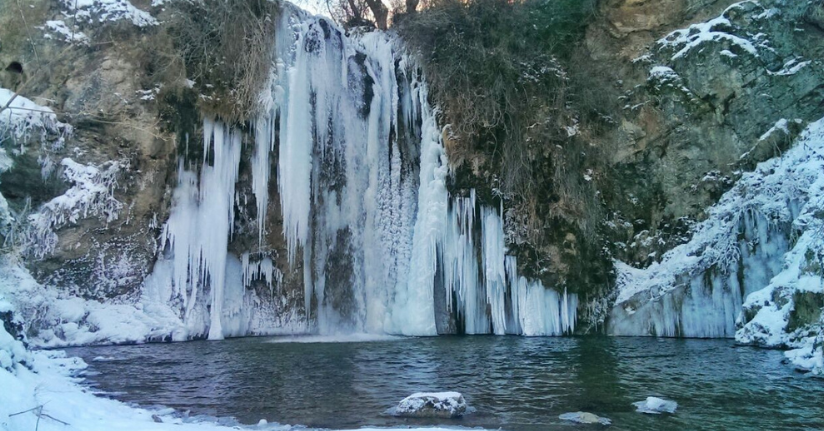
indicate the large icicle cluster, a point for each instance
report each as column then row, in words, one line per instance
column 199, row 227
column 480, row 278
column 747, row 268
column 361, row 178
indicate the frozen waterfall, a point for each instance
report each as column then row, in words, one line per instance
column 366, row 216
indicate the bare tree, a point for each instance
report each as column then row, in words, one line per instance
column 379, row 12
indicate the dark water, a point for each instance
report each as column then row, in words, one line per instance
column 519, row 384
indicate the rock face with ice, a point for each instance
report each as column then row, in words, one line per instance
column 336, row 208
column 431, row 405
column 341, row 181
column 751, row 269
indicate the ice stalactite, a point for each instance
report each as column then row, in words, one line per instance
column 461, row 269
column 264, row 136
column 483, row 284
column 199, row 227
column 352, row 124
column 263, row 269
column 494, row 270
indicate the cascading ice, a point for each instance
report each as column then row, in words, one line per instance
column 361, row 179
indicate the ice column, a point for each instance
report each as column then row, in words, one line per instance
column 200, row 224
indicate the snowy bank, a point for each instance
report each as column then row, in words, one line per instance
column 41, row 391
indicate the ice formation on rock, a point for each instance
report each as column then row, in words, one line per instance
column 747, row 266
column 361, row 174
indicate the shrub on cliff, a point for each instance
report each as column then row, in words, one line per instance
column 226, row 49
column 497, row 68
column 522, row 99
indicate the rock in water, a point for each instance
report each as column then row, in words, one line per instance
column 584, row 418
column 431, row 405
column 656, row 406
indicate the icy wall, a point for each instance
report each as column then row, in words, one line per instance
column 752, row 270
column 366, row 215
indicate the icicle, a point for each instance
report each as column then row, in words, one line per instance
column 200, row 224
column 264, row 136
column 494, row 270
column 295, row 157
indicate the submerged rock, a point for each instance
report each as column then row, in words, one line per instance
column 431, row 405
column 655, row 406
column 584, row 418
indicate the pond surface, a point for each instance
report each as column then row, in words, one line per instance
column 514, row 383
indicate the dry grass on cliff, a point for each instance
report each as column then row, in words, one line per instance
column 225, row 47
column 497, row 68
column 514, row 84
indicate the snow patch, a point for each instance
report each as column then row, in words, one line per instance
column 101, row 11
column 63, row 33
column 686, row 40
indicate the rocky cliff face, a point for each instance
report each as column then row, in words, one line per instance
column 94, row 84
column 689, row 95
column 100, row 181
column 699, row 92
column 718, row 97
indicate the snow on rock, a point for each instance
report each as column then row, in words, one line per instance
column 101, row 11
column 22, row 117
column 91, row 195
column 698, row 289
column 683, row 41
column 59, row 320
column 750, row 269
column 62, row 32
column 584, row 418
column 431, row 405
column 797, row 291
column 791, row 68
column 655, row 406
